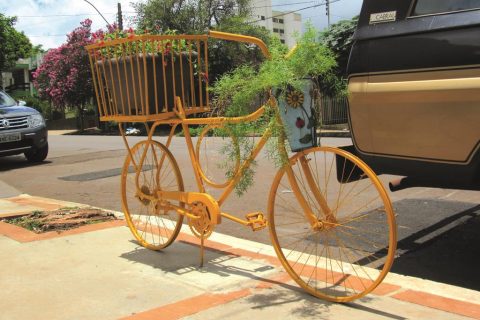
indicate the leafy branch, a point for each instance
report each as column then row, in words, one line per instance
column 239, row 92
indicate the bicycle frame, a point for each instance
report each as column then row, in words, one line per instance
column 214, row 205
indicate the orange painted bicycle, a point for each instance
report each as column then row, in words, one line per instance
column 331, row 222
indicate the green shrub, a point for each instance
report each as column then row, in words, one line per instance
column 38, row 104
column 56, row 115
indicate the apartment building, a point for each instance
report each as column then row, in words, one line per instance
column 282, row 23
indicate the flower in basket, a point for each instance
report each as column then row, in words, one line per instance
column 143, row 72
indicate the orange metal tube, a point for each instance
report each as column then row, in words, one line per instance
column 240, row 38
column 95, row 85
column 314, row 187
column 126, row 80
column 155, row 51
column 245, row 165
column 117, row 62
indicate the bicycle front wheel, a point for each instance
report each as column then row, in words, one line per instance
column 332, row 224
column 151, row 221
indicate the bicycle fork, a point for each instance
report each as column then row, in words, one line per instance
column 316, row 223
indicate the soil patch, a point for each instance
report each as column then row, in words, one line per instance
column 60, row 219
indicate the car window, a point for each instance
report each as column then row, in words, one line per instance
column 6, row 100
column 424, row 7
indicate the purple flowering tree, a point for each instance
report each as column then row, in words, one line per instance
column 64, row 76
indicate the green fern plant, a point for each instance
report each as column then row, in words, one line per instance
column 248, row 86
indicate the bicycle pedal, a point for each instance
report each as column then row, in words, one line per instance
column 256, row 220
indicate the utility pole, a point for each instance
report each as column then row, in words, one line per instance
column 327, row 9
column 119, row 16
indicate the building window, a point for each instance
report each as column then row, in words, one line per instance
column 262, row 17
column 282, row 41
column 275, row 30
column 280, row 20
column 281, row 31
column 275, row 20
column 424, row 7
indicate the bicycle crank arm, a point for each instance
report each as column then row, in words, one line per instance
column 192, row 197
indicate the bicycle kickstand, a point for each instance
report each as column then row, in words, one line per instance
column 202, row 250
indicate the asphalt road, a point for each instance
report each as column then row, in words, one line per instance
column 437, row 227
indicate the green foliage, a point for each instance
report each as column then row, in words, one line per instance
column 40, row 105
column 248, row 85
column 13, row 44
column 194, row 131
column 64, row 76
column 28, row 222
column 225, row 56
column 239, row 91
column 187, row 17
column 90, row 110
column 339, row 38
column 57, row 114
column 197, row 17
column 37, row 49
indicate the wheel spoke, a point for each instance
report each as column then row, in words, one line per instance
column 336, row 258
column 152, row 226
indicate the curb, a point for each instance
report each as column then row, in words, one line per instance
column 334, row 133
column 24, row 204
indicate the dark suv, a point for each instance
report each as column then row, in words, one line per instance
column 22, row 130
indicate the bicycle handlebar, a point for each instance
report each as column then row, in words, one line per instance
column 240, row 38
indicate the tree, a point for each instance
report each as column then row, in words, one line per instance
column 64, row 76
column 197, row 17
column 37, row 49
column 339, row 38
column 13, row 44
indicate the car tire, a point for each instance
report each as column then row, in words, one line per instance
column 37, row 155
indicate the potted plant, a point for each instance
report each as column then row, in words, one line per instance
column 142, row 73
column 295, row 79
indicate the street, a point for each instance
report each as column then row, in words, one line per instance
column 437, row 236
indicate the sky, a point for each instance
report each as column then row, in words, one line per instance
column 47, row 22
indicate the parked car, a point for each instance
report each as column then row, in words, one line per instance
column 22, row 130
column 414, row 91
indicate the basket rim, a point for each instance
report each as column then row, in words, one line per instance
column 114, row 42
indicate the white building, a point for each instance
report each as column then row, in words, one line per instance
column 19, row 77
column 283, row 24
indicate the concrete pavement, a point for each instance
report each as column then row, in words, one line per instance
column 99, row 272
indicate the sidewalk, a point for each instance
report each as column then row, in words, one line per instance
column 99, row 272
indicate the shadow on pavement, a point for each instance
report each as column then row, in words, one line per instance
column 375, row 311
column 18, row 162
column 184, row 258
column 303, row 305
column 446, row 250
column 437, row 240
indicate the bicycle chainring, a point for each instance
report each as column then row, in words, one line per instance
column 203, row 226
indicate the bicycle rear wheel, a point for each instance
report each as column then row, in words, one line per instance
column 332, row 224
column 152, row 222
